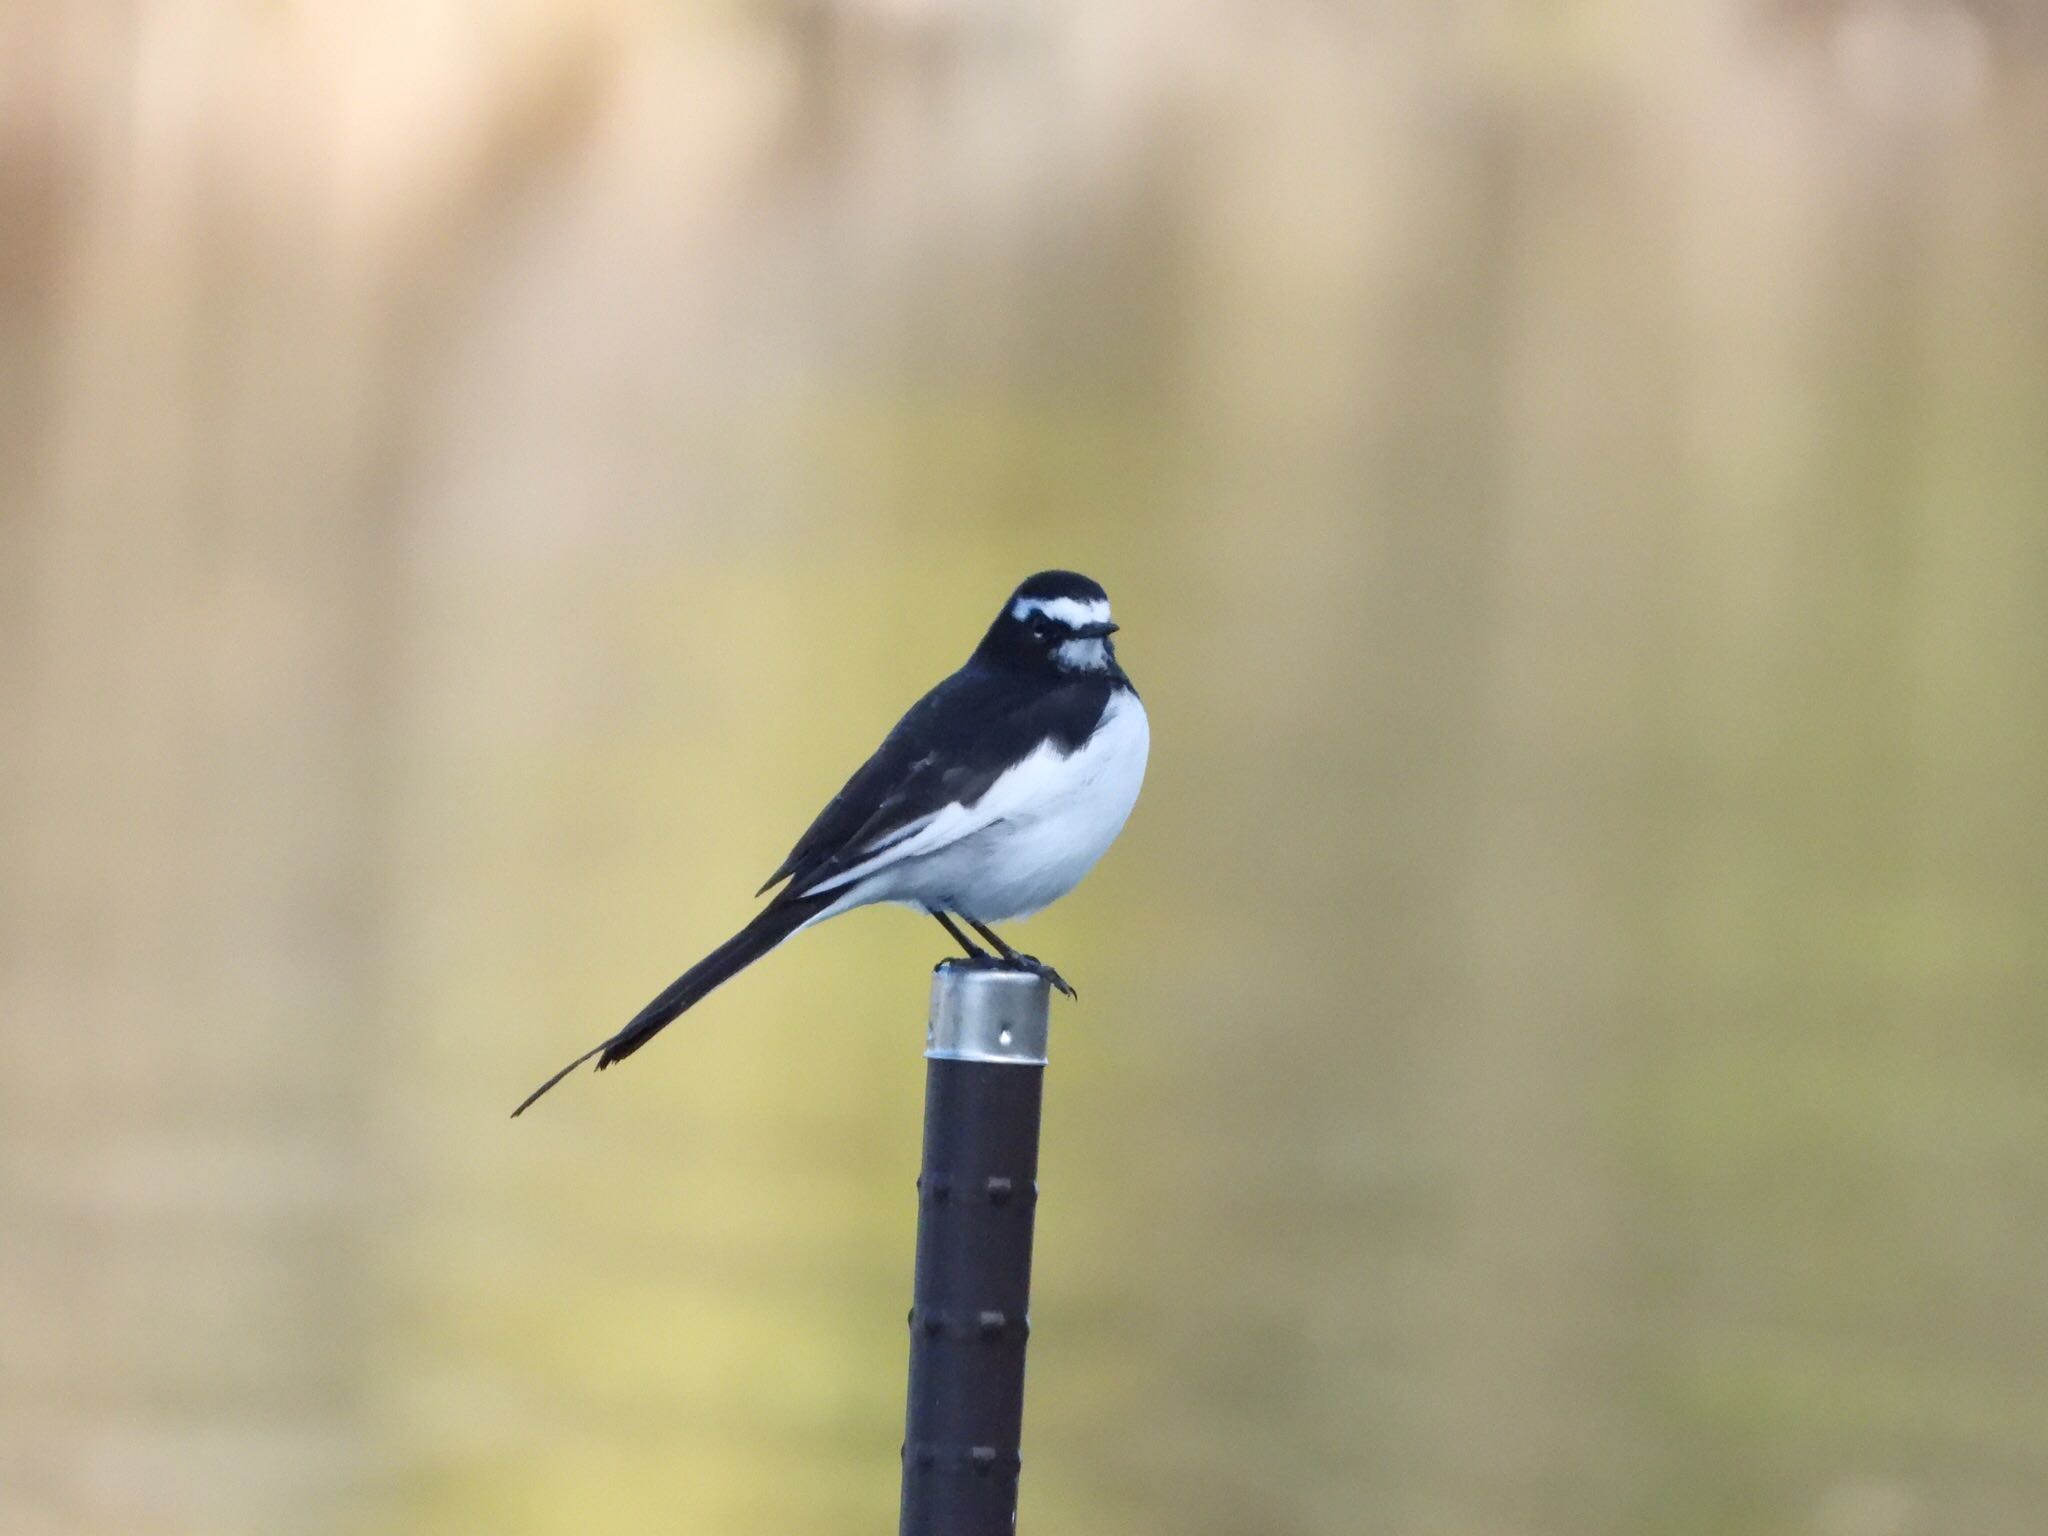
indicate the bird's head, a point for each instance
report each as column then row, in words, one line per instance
column 1057, row 621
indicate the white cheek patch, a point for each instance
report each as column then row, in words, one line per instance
column 1082, row 655
column 1070, row 611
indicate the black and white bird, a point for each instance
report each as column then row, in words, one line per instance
column 990, row 800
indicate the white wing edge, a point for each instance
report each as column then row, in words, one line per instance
column 1033, row 778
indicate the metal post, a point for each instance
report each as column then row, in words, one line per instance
column 977, row 1195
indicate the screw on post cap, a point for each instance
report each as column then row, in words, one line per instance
column 980, row 1013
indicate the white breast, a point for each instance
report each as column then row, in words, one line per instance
column 1037, row 831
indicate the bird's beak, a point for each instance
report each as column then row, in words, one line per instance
column 1100, row 631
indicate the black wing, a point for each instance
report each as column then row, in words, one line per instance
column 949, row 748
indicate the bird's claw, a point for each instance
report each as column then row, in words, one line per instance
column 1038, row 967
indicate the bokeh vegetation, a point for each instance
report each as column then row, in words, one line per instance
column 1561, row 1045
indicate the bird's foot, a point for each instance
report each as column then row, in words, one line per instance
column 1029, row 964
column 1038, row 967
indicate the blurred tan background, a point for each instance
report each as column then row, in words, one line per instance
column 1561, row 1048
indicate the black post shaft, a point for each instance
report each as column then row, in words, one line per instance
column 977, row 1197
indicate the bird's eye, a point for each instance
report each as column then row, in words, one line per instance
column 1041, row 626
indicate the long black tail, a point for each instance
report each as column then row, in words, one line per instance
column 775, row 922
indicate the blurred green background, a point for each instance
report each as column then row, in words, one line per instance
column 1561, row 1047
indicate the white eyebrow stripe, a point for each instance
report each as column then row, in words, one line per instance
column 1070, row 611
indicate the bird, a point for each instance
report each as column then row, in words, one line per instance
column 990, row 799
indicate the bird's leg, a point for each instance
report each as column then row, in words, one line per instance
column 1020, row 960
column 975, row 953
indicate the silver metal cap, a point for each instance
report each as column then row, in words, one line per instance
column 988, row 1015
